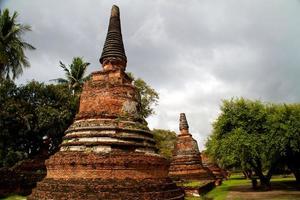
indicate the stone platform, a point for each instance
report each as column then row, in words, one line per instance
column 106, row 176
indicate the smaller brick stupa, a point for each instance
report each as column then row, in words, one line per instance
column 186, row 164
column 213, row 167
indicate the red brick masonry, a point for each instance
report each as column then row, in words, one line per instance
column 186, row 162
column 108, row 152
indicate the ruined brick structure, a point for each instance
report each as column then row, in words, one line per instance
column 186, row 164
column 214, row 168
column 108, row 152
column 22, row 177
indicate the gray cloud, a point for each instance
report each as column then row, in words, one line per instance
column 195, row 53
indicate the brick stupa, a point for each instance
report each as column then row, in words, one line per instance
column 186, row 164
column 108, row 152
column 213, row 167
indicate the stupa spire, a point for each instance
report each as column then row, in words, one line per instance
column 113, row 51
column 183, row 124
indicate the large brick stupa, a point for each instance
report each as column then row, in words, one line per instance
column 108, row 152
column 186, row 162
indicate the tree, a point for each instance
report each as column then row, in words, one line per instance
column 165, row 141
column 30, row 112
column 74, row 74
column 284, row 128
column 12, row 46
column 149, row 97
column 250, row 134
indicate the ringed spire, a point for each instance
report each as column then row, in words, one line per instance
column 183, row 124
column 113, row 47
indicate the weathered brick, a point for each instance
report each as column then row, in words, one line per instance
column 186, row 162
column 108, row 152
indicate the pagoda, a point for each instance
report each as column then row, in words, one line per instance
column 186, row 164
column 108, row 152
column 214, row 168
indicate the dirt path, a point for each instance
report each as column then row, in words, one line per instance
column 279, row 192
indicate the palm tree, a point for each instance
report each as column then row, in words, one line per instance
column 74, row 74
column 12, row 46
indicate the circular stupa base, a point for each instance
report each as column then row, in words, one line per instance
column 88, row 175
column 152, row 189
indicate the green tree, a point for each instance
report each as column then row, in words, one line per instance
column 165, row 141
column 241, row 138
column 284, row 128
column 74, row 74
column 30, row 112
column 149, row 97
column 12, row 46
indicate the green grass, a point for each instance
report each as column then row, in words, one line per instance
column 237, row 176
column 280, row 178
column 14, row 197
column 220, row 192
column 192, row 183
column 191, row 198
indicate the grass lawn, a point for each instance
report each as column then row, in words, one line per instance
column 191, row 198
column 230, row 186
column 14, row 197
column 276, row 179
column 220, row 192
column 192, row 183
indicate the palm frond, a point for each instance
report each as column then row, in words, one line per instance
column 28, row 46
column 60, row 80
column 12, row 46
column 62, row 65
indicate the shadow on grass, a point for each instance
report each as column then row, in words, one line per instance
column 282, row 188
column 282, row 185
column 237, row 178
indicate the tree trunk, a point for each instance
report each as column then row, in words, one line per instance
column 297, row 175
column 247, row 173
column 1, row 71
column 294, row 165
column 265, row 182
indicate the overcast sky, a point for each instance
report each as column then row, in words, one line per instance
column 194, row 53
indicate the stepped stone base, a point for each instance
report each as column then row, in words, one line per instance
column 80, row 175
column 107, row 189
column 217, row 171
column 190, row 170
column 213, row 167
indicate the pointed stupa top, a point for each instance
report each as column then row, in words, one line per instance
column 113, row 46
column 183, row 124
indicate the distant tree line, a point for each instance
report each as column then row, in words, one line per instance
column 30, row 112
column 165, row 141
column 257, row 137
